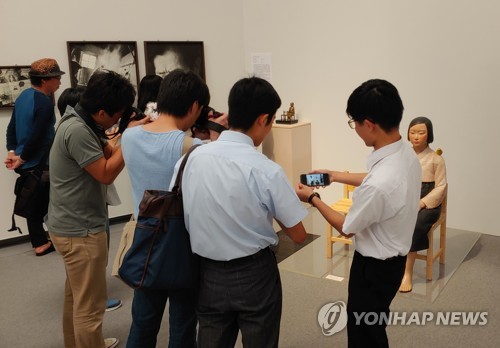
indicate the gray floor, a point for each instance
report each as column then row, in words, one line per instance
column 31, row 294
column 311, row 260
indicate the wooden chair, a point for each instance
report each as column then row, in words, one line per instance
column 429, row 256
column 342, row 206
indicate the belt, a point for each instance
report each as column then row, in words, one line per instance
column 392, row 258
column 239, row 260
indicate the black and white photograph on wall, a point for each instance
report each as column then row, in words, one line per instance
column 13, row 80
column 164, row 56
column 86, row 57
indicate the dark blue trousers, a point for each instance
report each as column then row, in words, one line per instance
column 147, row 312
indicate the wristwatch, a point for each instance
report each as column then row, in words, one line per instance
column 314, row 194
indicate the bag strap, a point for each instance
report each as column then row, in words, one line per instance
column 14, row 227
column 178, row 180
column 177, row 186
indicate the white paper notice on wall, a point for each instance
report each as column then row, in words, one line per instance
column 262, row 66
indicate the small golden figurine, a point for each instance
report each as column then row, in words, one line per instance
column 288, row 117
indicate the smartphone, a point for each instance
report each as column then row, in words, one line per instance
column 321, row 179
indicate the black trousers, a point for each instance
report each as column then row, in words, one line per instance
column 38, row 235
column 36, row 231
column 242, row 294
column 373, row 283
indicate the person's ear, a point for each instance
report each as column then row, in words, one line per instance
column 192, row 107
column 370, row 124
column 262, row 120
column 101, row 115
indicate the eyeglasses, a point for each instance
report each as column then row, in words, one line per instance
column 351, row 123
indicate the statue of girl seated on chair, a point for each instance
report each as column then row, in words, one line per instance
column 420, row 134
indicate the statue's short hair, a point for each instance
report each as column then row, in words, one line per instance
column 428, row 124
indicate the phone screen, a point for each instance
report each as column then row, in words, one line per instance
column 315, row 179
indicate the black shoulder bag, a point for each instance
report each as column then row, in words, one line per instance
column 32, row 193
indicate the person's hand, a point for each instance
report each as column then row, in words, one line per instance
column 326, row 171
column 16, row 162
column 140, row 122
column 303, row 192
column 9, row 160
column 222, row 121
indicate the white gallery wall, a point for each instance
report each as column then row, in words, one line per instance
column 443, row 56
column 34, row 30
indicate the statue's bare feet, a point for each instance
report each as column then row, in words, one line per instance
column 406, row 284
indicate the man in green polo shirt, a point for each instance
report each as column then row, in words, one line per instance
column 81, row 165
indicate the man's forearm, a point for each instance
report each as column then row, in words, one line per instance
column 114, row 163
column 354, row 179
column 333, row 217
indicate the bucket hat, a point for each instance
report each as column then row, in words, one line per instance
column 45, row 67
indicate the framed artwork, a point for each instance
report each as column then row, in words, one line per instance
column 85, row 57
column 13, row 80
column 164, row 56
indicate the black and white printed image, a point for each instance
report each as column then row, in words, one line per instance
column 13, row 80
column 87, row 57
column 164, row 56
column 315, row 180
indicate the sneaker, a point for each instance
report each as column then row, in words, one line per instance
column 112, row 304
column 111, row 342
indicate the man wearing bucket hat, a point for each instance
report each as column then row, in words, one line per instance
column 29, row 137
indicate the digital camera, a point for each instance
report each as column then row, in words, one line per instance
column 202, row 122
column 127, row 117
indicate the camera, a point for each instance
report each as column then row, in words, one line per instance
column 203, row 125
column 321, row 179
column 127, row 117
column 202, row 122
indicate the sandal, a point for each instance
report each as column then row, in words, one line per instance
column 46, row 251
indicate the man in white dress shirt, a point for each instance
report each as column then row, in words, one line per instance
column 232, row 193
column 384, row 209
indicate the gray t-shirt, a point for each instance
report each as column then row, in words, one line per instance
column 77, row 201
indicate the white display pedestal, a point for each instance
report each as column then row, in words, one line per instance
column 289, row 145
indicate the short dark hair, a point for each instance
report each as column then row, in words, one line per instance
column 108, row 91
column 248, row 99
column 70, row 96
column 179, row 90
column 148, row 90
column 378, row 101
column 37, row 80
column 428, row 124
